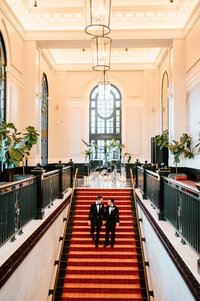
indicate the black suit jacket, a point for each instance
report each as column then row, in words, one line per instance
column 113, row 218
column 93, row 215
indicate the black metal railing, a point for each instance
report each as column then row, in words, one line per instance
column 66, row 178
column 17, row 206
column 140, row 178
column 23, row 200
column 50, row 187
column 153, row 187
column 182, row 209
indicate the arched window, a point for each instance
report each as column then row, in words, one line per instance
column 165, row 102
column 3, row 63
column 44, row 121
column 105, row 122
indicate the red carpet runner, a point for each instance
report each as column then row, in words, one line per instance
column 104, row 273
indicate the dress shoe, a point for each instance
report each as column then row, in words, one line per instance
column 93, row 239
column 112, row 246
column 96, row 245
column 105, row 245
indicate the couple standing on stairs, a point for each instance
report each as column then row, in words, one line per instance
column 110, row 216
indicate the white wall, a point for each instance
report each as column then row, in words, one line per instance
column 37, row 271
column 182, row 63
column 166, row 281
column 139, row 111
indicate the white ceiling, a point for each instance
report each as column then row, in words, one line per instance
column 144, row 26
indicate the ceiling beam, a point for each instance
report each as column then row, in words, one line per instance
column 126, row 43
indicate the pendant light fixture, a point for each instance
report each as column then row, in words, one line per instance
column 97, row 17
column 104, row 87
column 101, row 50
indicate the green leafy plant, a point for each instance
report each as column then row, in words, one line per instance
column 198, row 144
column 162, row 140
column 14, row 146
column 128, row 156
column 88, row 151
column 117, row 146
column 183, row 146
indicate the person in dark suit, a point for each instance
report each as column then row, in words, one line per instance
column 111, row 217
column 95, row 219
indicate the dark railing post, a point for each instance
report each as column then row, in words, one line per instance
column 60, row 166
column 72, row 170
column 38, row 171
column 145, row 166
column 137, row 163
column 162, row 173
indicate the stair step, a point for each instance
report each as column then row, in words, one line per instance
column 90, row 273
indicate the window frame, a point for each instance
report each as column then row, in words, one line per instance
column 4, row 74
column 105, row 136
column 44, row 116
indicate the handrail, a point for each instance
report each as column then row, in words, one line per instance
column 140, row 168
column 17, row 182
column 152, row 173
column 49, row 173
column 65, row 230
column 184, row 185
column 66, row 167
column 142, row 250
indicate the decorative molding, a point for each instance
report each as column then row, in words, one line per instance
column 14, row 78
column 9, row 267
column 193, row 76
column 10, row 15
column 184, row 271
column 52, row 16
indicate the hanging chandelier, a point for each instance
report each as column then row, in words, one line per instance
column 97, row 17
column 104, row 87
column 101, row 50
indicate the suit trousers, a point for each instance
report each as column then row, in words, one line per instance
column 96, row 224
column 110, row 227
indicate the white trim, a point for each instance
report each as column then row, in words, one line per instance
column 193, row 76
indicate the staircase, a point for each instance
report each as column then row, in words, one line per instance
column 89, row 273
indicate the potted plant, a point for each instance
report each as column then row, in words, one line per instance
column 183, row 146
column 128, row 156
column 161, row 140
column 14, row 146
column 88, row 151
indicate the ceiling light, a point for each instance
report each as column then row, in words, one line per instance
column 101, row 50
column 97, row 17
column 104, row 87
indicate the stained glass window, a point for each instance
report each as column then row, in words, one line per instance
column 2, row 80
column 105, row 122
column 44, row 121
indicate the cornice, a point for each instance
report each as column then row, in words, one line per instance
column 46, row 53
column 161, row 56
column 192, row 20
column 8, row 13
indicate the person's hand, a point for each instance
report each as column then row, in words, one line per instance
column 104, row 222
column 89, row 223
column 117, row 224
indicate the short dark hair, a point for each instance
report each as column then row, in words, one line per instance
column 112, row 200
column 99, row 197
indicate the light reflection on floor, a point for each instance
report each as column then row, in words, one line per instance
column 105, row 182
